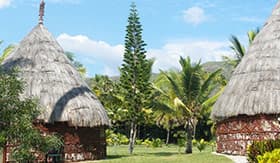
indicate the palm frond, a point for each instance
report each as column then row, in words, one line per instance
column 231, row 61
column 191, row 78
column 206, row 84
column 252, row 34
column 237, row 47
column 162, row 107
column 182, row 107
column 6, row 52
column 174, row 85
column 206, row 105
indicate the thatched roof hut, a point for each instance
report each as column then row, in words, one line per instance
column 65, row 99
column 253, row 93
column 50, row 77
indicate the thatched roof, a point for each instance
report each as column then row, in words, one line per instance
column 51, row 78
column 254, row 87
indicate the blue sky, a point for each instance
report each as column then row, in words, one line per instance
column 94, row 29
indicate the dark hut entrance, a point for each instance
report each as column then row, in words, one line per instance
column 68, row 107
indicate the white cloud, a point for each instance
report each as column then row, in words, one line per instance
column 168, row 56
column 110, row 71
column 93, row 52
column 5, row 3
column 110, row 56
column 194, row 15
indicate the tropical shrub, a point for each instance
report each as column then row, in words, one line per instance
column 181, row 140
column 147, row 142
column 138, row 141
column 270, row 157
column 260, row 148
column 212, row 145
column 200, row 145
column 157, row 142
column 181, row 143
column 115, row 138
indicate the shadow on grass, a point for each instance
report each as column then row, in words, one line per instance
column 156, row 154
column 162, row 154
column 112, row 157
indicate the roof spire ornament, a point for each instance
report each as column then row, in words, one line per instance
column 41, row 12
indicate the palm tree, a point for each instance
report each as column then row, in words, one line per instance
column 6, row 52
column 163, row 105
column 193, row 88
column 239, row 49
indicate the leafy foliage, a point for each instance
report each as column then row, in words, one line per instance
column 78, row 65
column 239, row 49
column 163, row 105
column 269, row 157
column 193, row 88
column 201, row 145
column 16, row 117
column 260, row 148
column 147, row 142
column 108, row 92
column 115, row 138
column 6, row 52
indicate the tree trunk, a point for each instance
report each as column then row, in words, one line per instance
column 189, row 137
column 167, row 136
column 132, row 137
column 194, row 122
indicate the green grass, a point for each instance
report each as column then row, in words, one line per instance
column 119, row 154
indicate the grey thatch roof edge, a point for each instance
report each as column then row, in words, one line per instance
column 254, row 87
column 50, row 77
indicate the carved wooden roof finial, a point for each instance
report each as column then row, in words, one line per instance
column 41, row 12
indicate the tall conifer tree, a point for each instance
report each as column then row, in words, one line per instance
column 135, row 74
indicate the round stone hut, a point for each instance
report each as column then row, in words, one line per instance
column 68, row 106
column 249, row 108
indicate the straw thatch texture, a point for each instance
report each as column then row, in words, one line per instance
column 254, row 87
column 50, row 77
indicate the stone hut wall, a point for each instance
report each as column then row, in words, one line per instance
column 236, row 133
column 81, row 143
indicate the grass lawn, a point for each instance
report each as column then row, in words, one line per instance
column 119, row 154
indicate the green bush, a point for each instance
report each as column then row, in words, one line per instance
column 270, row 157
column 181, row 143
column 115, row 138
column 181, row 139
column 138, row 141
column 194, row 142
column 260, row 148
column 201, row 145
column 212, row 145
column 157, row 143
column 147, row 142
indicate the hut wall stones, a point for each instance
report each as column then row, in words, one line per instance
column 236, row 133
column 82, row 143
column 249, row 107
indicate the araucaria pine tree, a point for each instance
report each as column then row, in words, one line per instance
column 135, row 74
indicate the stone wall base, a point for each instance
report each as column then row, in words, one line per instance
column 80, row 143
column 236, row 133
